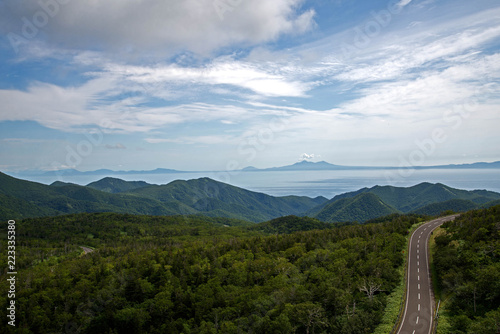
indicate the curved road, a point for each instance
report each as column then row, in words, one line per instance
column 86, row 250
column 417, row 317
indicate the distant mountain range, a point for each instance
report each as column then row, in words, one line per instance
column 299, row 166
column 204, row 196
column 323, row 165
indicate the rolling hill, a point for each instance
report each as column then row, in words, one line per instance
column 114, row 185
column 290, row 224
column 213, row 198
column 362, row 207
column 204, row 196
column 21, row 199
column 423, row 198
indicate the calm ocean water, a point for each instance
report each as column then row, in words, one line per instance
column 318, row 183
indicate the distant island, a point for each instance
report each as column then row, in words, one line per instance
column 323, row 165
column 298, row 166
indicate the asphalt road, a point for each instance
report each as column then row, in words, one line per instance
column 417, row 317
column 86, row 249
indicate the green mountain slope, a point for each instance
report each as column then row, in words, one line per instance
column 114, row 185
column 423, row 198
column 290, row 224
column 195, row 197
column 214, row 198
column 15, row 208
column 412, row 198
column 362, row 207
column 455, row 205
column 30, row 199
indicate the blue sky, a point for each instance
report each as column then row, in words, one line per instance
column 225, row 84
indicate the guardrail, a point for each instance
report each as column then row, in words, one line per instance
column 436, row 318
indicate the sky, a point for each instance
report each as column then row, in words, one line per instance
column 226, row 84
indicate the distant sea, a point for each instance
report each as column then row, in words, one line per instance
column 316, row 183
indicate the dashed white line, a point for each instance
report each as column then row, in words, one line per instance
column 419, row 307
column 419, row 286
column 418, row 270
column 418, row 277
column 416, row 323
column 419, row 295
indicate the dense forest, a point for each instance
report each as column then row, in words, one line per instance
column 467, row 261
column 202, row 275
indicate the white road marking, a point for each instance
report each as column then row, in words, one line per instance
column 418, row 270
column 419, row 286
column 418, row 277
column 419, row 295
column 419, row 307
column 416, row 323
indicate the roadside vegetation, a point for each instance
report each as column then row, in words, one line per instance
column 466, row 260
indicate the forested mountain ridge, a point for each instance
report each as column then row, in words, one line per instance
column 362, row 207
column 207, row 197
column 202, row 196
column 424, row 198
column 40, row 200
column 114, row 185
column 407, row 199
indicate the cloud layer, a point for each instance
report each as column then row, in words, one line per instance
column 163, row 26
column 220, row 73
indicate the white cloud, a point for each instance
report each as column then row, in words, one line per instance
column 164, row 26
column 260, row 80
column 204, row 140
column 116, row 146
column 391, row 62
column 403, row 3
column 398, row 87
column 306, row 156
column 73, row 109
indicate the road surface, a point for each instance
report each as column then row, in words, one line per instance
column 86, row 250
column 418, row 313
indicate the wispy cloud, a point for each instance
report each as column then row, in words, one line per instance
column 116, row 146
column 221, row 72
column 404, row 3
column 204, row 140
